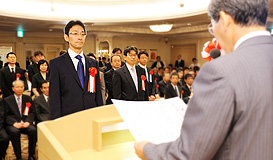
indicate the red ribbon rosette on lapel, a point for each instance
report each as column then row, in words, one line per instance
column 28, row 104
column 143, row 78
column 18, row 76
column 182, row 92
column 91, row 84
column 208, row 46
column 151, row 75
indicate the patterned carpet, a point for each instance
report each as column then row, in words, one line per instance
column 24, row 145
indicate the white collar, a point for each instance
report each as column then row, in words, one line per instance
column 73, row 54
column 129, row 66
column 250, row 35
column 17, row 97
column 142, row 66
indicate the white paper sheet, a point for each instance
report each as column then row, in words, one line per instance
column 154, row 121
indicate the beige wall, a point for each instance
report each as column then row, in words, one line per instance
column 33, row 42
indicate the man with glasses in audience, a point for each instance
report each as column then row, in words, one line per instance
column 69, row 76
column 228, row 118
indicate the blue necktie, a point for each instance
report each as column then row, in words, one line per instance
column 80, row 70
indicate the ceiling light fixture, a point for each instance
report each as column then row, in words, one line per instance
column 161, row 27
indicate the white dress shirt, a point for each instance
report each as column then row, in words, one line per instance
column 75, row 61
column 12, row 67
column 133, row 74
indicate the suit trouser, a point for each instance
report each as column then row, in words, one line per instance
column 15, row 136
column 4, row 142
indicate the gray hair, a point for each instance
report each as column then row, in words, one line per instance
column 17, row 81
column 244, row 12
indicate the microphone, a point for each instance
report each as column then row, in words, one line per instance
column 215, row 53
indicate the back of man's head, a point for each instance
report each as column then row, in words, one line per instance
column 244, row 12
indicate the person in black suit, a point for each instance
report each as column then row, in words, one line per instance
column 19, row 119
column 69, row 76
column 4, row 138
column 7, row 63
column 39, row 77
column 127, row 82
column 173, row 90
column 33, row 69
column 10, row 74
column 41, row 105
column 115, row 63
column 187, row 88
column 102, row 64
column 29, row 62
column 1, row 64
column 115, row 51
column 158, row 63
column 163, row 84
column 143, row 59
column 179, row 62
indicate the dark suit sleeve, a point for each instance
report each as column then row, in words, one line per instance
column 39, row 112
column 167, row 93
column 3, row 83
column 116, row 85
column 98, row 87
column 161, row 89
column 34, row 82
column 30, row 72
column 2, row 113
column 153, row 65
column 54, row 90
column 10, row 118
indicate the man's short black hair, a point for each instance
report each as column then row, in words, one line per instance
column 37, row 53
column 43, row 82
column 174, row 74
column 128, row 49
column 42, row 61
column 142, row 52
column 196, row 68
column 187, row 76
column 193, row 59
column 160, row 68
column 103, row 58
column 114, row 56
column 185, row 68
column 91, row 55
column 116, row 49
column 72, row 23
column 179, row 70
column 174, row 68
column 7, row 56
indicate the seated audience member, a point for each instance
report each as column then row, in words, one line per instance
column 163, row 84
column 179, row 62
column 187, row 89
column 10, row 74
column 127, row 80
column 4, row 138
column 103, row 93
column 174, row 70
column 167, row 70
column 196, row 70
column 102, row 64
column 115, row 51
column 19, row 119
column 191, row 72
column 186, row 71
column 173, row 90
column 180, row 76
column 39, row 77
column 41, row 104
column 160, row 73
column 195, row 63
column 158, row 63
column 143, row 59
column 115, row 63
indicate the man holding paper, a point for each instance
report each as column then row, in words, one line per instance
column 73, row 77
column 227, row 118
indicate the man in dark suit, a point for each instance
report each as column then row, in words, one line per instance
column 115, row 63
column 173, row 90
column 29, row 62
column 163, row 84
column 187, row 88
column 115, row 51
column 143, row 59
column 9, row 74
column 228, row 118
column 19, row 119
column 69, row 76
column 41, row 105
column 158, row 63
column 127, row 82
column 33, row 69
column 179, row 62
column 4, row 138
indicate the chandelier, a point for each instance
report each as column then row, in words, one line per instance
column 161, row 27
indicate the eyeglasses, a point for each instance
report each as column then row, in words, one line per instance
column 131, row 55
column 211, row 27
column 82, row 34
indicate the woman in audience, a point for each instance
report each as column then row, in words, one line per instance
column 39, row 77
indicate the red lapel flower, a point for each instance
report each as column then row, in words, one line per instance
column 93, row 71
column 155, row 79
column 18, row 75
column 151, row 72
column 182, row 92
column 143, row 77
column 157, row 86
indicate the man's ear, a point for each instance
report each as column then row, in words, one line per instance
column 226, row 19
column 66, row 38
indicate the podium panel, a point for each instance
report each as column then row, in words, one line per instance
column 80, row 136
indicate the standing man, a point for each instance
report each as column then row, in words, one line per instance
column 115, row 51
column 227, row 118
column 127, row 82
column 158, row 63
column 69, row 76
column 9, row 74
column 115, row 63
column 33, row 68
column 179, row 62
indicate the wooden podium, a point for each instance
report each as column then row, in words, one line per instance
column 80, row 136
